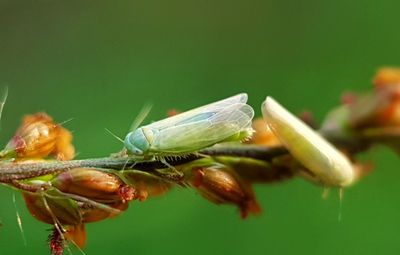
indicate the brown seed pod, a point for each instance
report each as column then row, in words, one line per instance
column 146, row 184
column 48, row 209
column 94, row 184
column 222, row 186
column 92, row 213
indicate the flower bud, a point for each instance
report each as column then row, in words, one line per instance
column 94, row 184
column 378, row 109
column 172, row 112
column 76, row 234
column 60, row 236
column 257, row 171
column 263, row 135
column 92, row 213
column 38, row 137
column 65, row 210
column 64, row 149
column 146, row 184
column 387, row 76
column 381, row 108
column 388, row 113
column 220, row 185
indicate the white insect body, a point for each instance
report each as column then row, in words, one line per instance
column 330, row 166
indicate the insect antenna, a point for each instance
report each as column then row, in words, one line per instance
column 114, row 135
column 136, row 122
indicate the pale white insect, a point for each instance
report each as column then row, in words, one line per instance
column 225, row 120
column 330, row 166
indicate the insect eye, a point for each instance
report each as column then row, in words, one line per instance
column 136, row 151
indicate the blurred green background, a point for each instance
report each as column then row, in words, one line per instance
column 100, row 61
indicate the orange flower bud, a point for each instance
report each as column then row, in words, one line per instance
column 57, row 239
column 64, row 149
column 76, row 234
column 146, row 184
column 93, row 214
column 391, row 115
column 386, row 77
column 172, row 112
column 258, row 171
column 64, row 209
column 38, row 137
column 221, row 186
column 349, row 98
column 379, row 109
column 94, row 184
column 387, row 84
column 263, row 134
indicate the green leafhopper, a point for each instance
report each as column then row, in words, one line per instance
column 185, row 133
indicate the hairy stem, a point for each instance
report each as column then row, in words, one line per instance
column 11, row 171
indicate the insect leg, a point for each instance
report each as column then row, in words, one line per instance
column 170, row 173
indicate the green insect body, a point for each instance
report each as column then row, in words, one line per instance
column 185, row 133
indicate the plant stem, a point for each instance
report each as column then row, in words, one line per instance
column 11, row 171
column 18, row 170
